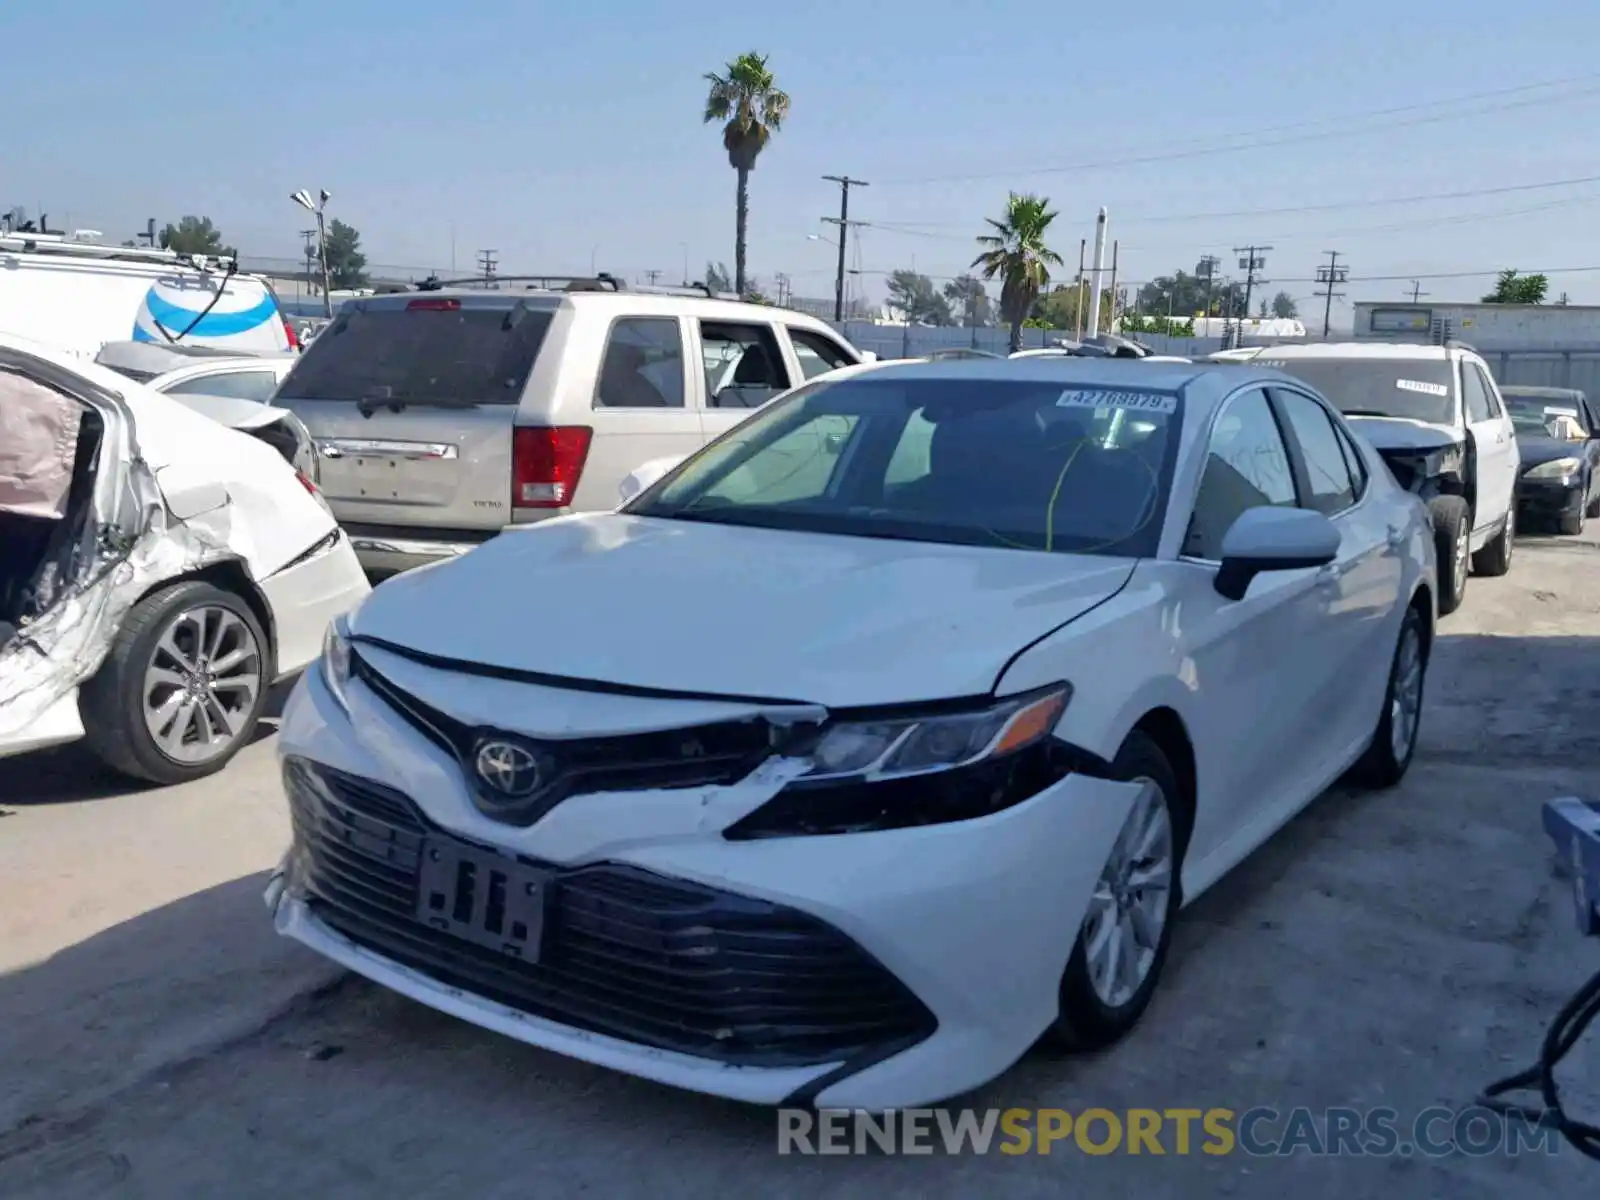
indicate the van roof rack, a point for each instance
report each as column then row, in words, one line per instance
column 78, row 245
column 599, row 282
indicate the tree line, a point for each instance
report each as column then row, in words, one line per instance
column 347, row 265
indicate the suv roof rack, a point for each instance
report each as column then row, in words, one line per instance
column 598, row 282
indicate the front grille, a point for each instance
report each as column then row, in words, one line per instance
column 715, row 755
column 624, row 952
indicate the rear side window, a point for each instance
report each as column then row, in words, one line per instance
column 643, row 365
column 1474, row 397
column 744, row 368
column 1324, row 455
column 434, row 351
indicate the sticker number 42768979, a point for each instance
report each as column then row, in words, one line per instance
column 1155, row 402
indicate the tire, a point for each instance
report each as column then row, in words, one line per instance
column 165, row 624
column 1388, row 756
column 1093, row 1016
column 1495, row 558
column 1593, row 508
column 1452, row 527
column 1572, row 524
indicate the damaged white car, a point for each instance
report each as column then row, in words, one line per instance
column 158, row 571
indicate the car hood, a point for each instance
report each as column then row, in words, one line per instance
column 718, row 610
column 1401, row 433
column 1534, row 449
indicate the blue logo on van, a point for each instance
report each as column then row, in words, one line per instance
column 176, row 319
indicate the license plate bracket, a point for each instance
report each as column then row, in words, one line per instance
column 484, row 898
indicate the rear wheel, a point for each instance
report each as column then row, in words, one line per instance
column 1452, row 531
column 183, row 687
column 1571, row 524
column 1495, row 558
column 1120, row 950
column 1394, row 741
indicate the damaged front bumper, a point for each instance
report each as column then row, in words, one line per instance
column 949, row 941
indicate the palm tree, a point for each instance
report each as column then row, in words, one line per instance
column 1016, row 254
column 746, row 99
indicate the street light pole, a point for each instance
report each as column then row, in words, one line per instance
column 318, row 207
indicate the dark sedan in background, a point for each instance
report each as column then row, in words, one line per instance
column 1558, row 438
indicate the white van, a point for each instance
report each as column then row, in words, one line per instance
column 77, row 295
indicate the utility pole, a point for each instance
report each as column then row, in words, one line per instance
column 1416, row 291
column 486, row 263
column 1330, row 277
column 782, row 282
column 651, row 277
column 310, row 236
column 1077, row 320
column 1251, row 260
column 844, row 223
column 1207, row 270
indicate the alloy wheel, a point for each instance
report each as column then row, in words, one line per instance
column 1405, row 700
column 201, row 684
column 1128, row 910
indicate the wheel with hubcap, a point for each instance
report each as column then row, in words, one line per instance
column 1121, row 947
column 183, row 687
column 1394, row 741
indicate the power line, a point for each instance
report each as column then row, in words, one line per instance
column 843, row 222
column 1205, row 151
column 1330, row 276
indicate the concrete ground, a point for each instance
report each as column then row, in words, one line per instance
column 1401, row 949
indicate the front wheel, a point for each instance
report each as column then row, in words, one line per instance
column 1122, row 945
column 1452, row 533
column 182, row 690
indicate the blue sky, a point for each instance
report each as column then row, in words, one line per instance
column 555, row 133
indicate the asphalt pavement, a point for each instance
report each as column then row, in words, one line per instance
column 1395, row 949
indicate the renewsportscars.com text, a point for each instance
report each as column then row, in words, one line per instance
column 1258, row 1132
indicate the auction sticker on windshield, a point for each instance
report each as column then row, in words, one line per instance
column 1157, row 402
column 1427, row 389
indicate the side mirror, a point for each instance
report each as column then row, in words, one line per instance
column 869, row 356
column 1273, row 539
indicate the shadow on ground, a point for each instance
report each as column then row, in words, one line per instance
column 70, row 774
column 1397, row 948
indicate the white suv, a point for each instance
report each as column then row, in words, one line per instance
column 445, row 414
column 1436, row 416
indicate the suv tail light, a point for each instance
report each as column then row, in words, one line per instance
column 546, row 464
column 288, row 332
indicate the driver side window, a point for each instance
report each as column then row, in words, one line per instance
column 1247, row 466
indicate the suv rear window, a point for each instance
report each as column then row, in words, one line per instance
column 421, row 355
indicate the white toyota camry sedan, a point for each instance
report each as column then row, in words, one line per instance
column 873, row 743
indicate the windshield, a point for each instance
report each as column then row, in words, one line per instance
column 1021, row 465
column 1365, row 387
column 421, row 355
column 1546, row 416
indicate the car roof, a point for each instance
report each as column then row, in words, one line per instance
column 632, row 300
column 1381, row 351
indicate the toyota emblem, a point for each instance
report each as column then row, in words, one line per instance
column 507, row 769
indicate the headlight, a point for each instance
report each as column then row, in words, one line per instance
column 1558, row 468
column 336, row 659
column 874, row 750
column 919, row 770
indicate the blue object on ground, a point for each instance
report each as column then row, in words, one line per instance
column 1574, row 825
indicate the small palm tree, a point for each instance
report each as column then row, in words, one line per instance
column 746, row 99
column 1015, row 253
